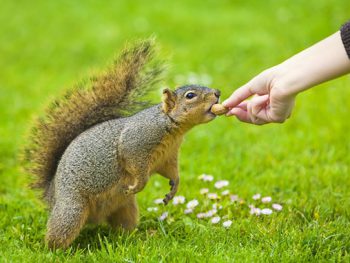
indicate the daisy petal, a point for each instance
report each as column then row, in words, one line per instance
column 213, row 196
column 206, row 177
column 255, row 211
column 215, row 220
column 266, row 211
column 277, row 207
column 200, row 215
column 204, row 191
column 192, row 204
column 256, row 196
column 179, row 200
column 266, row 199
column 226, row 192
column 158, row 201
column 221, row 184
column 188, row 211
column 152, row 209
column 227, row 223
column 234, row 198
column 163, row 216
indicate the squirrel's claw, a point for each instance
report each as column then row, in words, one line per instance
column 167, row 198
column 173, row 190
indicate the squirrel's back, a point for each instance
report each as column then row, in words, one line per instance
column 114, row 94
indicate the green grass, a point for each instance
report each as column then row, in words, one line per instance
column 304, row 163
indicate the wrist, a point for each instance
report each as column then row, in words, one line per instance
column 321, row 62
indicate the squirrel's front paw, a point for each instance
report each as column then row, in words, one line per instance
column 173, row 189
column 168, row 197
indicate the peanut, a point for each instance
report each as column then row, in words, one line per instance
column 219, row 109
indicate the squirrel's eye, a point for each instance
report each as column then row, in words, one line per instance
column 190, row 95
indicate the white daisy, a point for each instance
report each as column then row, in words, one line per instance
column 210, row 213
column 215, row 220
column 192, row 204
column 226, row 192
column 277, row 207
column 200, row 215
column 204, row 191
column 179, row 200
column 158, row 201
column 206, row 177
column 152, row 209
column 266, row 211
column 255, row 211
column 221, row 184
column 217, row 206
column 266, row 199
column 256, row 196
column 188, row 211
column 163, row 216
column 213, row 196
column 234, row 198
column 227, row 223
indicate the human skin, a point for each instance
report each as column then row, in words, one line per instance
column 274, row 90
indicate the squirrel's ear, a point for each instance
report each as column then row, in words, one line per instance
column 168, row 100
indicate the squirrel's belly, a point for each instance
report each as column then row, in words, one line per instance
column 103, row 204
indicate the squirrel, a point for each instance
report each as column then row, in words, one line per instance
column 98, row 145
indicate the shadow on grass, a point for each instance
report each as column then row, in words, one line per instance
column 100, row 237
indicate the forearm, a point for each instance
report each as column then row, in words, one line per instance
column 321, row 62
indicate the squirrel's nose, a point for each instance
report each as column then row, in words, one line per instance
column 217, row 93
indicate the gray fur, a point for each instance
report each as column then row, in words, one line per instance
column 105, row 166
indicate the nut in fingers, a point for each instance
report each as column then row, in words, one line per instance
column 219, row 109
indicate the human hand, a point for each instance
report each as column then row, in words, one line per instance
column 274, row 90
column 272, row 101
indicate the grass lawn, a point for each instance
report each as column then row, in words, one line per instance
column 302, row 164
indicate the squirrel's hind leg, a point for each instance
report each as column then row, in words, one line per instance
column 126, row 216
column 67, row 218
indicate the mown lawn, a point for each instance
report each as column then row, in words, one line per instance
column 302, row 164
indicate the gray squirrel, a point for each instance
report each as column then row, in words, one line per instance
column 92, row 153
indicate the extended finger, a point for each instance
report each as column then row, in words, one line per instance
column 238, row 96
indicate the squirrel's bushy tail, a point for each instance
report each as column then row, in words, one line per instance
column 115, row 93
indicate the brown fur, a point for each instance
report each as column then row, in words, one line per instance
column 114, row 94
column 91, row 160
